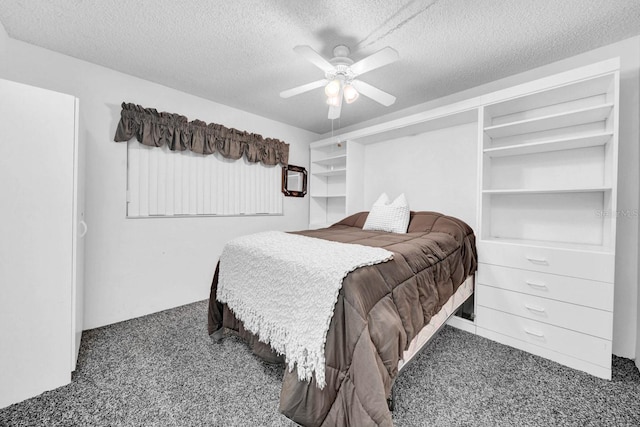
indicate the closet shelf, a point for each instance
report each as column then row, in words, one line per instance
column 571, row 143
column 333, row 160
column 335, row 172
column 548, row 190
column 550, row 244
column 554, row 121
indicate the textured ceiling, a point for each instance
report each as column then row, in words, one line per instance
column 240, row 53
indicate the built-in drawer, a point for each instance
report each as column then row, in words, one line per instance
column 598, row 266
column 578, row 318
column 575, row 344
column 562, row 288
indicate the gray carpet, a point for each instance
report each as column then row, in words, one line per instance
column 163, row 370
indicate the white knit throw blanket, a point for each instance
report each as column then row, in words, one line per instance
column 284, row 288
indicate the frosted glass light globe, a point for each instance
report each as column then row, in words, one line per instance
column 332, row 88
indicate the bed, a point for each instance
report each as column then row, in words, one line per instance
column 383, row 315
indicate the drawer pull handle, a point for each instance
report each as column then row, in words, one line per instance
column 534, row 333
column 540, row 261
column 534, row 308
column 536, row 285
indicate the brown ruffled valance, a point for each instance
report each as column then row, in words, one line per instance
column 156, row 129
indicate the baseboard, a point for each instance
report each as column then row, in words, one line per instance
column 464, row 324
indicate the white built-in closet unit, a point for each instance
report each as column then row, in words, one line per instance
column 336, row 182
column 41, row 244
column 546, row 211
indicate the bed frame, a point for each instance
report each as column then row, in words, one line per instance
column 420, row 341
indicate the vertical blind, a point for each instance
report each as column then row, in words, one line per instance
column 162, row 183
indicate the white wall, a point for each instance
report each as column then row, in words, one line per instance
column 626, row 328
column 139, row 266
column 4, row 39
column 436, row 171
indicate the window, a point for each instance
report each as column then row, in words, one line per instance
column 163, row 183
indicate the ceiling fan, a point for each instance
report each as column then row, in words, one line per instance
column 341, row 77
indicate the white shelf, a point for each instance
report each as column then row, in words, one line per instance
column 335, row 172
column 548, row 170
column 333, row 160
column 456, row 114
column 547, row 190
column 553, row 121
column 589, row 87
column 550, row 244
column 570, row 143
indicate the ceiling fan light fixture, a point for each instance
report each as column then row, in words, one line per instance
column 333, row 101
column 332, row 88
column 350, row 94
column 341, row 81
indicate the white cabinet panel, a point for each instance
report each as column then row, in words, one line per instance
column 80, row 230
column 584, row 292
column 580, row 346
column 570, row 316
column 38, row 229
column 546, row 247
column 597, row 266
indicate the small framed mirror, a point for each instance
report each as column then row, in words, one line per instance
column 294, row 181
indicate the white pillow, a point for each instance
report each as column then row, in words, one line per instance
column 392, row 217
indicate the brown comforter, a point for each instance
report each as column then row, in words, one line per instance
column 379, row 310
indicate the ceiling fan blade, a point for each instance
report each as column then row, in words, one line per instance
column 382, row 57
column 314, row 57
column 374, row 93
column 335, row 110
column 302, row 89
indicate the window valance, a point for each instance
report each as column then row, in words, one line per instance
column 157, row 129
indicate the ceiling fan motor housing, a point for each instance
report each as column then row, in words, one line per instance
column 341, row 51
column 341, row 72
column 342, row 64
